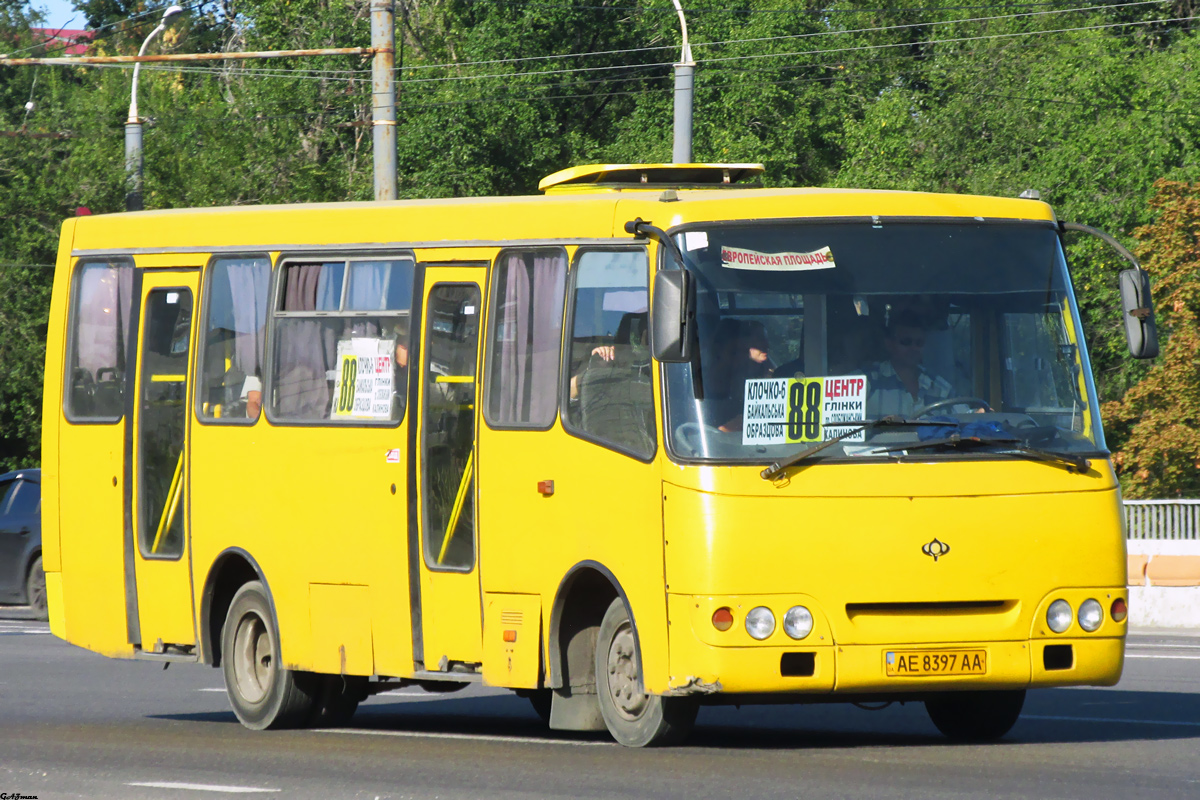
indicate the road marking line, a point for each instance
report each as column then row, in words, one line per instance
column 203, row 787
column 404, row 693
column 1113, row 719
column 484, row 737
column 222, row 691
column 1152, row 655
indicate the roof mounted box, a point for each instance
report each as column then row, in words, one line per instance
column 614, row 177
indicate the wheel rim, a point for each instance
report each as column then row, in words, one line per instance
column 37, row 593
column 253, row 659
column 623, row 674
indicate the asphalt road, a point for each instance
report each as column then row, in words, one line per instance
column 74, row 724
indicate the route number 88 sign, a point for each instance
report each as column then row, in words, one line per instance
column 799, row 410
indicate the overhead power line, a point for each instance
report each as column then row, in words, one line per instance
column 749, row 57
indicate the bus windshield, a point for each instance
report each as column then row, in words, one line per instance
column 965, row 331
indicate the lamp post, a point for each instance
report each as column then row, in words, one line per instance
column 685, row 72
column 133, row 125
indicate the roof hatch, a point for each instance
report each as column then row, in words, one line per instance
column 590, row 177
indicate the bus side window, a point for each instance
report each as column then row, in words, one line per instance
column 235, row 317
column 526, row 335
column 358, row 307
column 98, row 334
column 613, row 400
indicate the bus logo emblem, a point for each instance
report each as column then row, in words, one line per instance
column 936, row 549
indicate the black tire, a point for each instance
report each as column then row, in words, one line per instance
column 263, row 693
column 540, row 699
column 634, row 719
column 35, row 589
column 975, row 716
column 337, row 699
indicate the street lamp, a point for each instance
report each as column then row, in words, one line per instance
column 685, row 72
column 133, row 125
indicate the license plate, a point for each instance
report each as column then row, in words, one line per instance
column 921, row 663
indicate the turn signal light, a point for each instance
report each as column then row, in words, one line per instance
column 1119, row 610
column 722, row 619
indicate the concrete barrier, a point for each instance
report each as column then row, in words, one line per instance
column 1164, row 583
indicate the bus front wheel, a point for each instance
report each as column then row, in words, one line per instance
column 975, row 716
column 264, row 694
column 634, row 719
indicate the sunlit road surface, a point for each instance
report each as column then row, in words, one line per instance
column 74, row 724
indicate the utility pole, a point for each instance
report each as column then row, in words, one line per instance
column 383, row 97
column 685, row 72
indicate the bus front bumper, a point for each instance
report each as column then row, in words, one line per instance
column 703, row 669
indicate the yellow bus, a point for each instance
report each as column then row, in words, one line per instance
column 647, row 442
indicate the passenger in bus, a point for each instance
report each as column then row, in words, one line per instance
column 615, row 401
column 252, row 396
column 900, row 384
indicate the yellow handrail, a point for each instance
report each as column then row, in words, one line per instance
column 172, row 505
column 458, row 504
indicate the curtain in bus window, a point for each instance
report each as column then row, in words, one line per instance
column 101, row 333
column 528, row 333
column 235, row 330
column 248, row 282
column 306, row 346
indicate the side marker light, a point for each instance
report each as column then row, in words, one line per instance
column 722, row 619
column 1119, row 610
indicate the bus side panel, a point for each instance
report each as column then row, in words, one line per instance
column 606, row 508
column 91, row 534
column 311, row 505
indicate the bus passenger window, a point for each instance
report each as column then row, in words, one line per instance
column 341, row 340
column 234, row 332
column 524, row 349
column 98, row 334
column 609, row 394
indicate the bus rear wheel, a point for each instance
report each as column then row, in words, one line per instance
column 634, row 719
column 975, row 716
column 264, row 694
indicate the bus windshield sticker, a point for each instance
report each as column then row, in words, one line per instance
column 737, row 258
column 799, row 410
column 695, row 240
column 363, row 380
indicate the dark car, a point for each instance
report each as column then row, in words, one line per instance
column 22, row 580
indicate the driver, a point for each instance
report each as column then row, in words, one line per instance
column 900, row 385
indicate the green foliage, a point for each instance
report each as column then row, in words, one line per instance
column 1158, row 420
column 1090, row 104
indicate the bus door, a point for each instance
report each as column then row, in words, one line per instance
column 450, row 620
column 159, row 501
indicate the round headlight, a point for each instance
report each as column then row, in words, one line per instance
column 760, row 622
column 798, row 622
column 1091, row 614
column 1058, row 616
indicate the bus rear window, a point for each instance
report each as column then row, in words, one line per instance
column 98, row 332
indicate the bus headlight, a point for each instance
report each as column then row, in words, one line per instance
column 798, row 622
column 760, row 622
column 1091, row 614
column 1058, row 616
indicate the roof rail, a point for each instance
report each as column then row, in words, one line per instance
column 612, row 177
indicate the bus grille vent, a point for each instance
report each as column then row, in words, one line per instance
column 511, row 617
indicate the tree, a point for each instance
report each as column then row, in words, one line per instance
column 1158, row 420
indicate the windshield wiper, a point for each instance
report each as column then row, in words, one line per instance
column 956, row 440
column 856, row 426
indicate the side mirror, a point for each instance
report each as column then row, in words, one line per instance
column 673, row 316
column 1138, row 313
